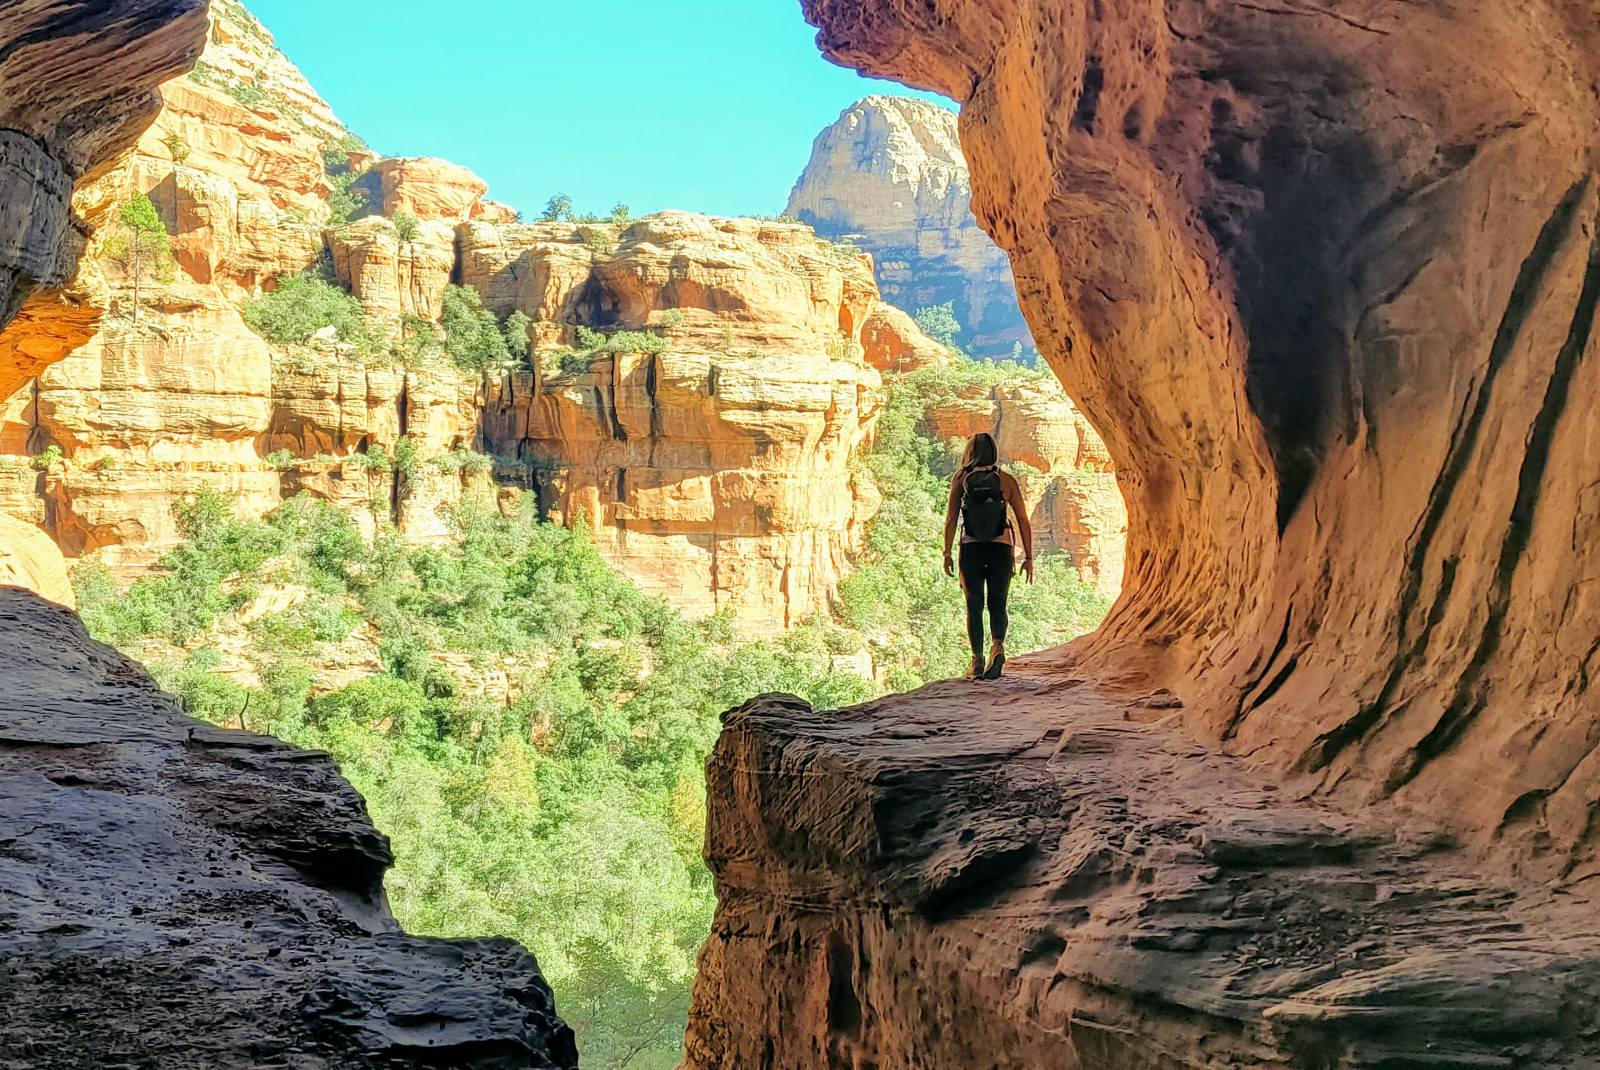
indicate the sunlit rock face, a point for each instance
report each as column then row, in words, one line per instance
column 72, row 95
column 190, row 398
column 189, row 896
column 1326, row 280
column 716, row 472
column 891, row 177
column 76, row 87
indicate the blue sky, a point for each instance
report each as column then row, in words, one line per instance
column 707, row 105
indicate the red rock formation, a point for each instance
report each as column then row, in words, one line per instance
column 1326, row 277
column 431, row 189
column 717, row 472
column 894, row 343
column 1336, row 324
column 75, row 89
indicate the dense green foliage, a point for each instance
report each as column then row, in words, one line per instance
column 564, row 804
column 301, row 305
column 467, row 334
column 939, row 323
column 475, row 339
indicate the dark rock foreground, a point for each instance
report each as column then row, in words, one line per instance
column 177, row 895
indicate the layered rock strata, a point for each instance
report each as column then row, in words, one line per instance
column 180, row 895
column 1326, row 278
column 1337, row 327
column 715, row 472
column 891, row 177
column 1038, row 872
column 77, row 89
column 188, row 397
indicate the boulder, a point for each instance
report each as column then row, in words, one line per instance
column 28, row 558
column 190, row 896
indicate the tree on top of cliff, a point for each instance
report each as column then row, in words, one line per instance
column 141, row 251
column 558, row 210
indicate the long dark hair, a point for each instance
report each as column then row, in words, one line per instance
column 981, row 452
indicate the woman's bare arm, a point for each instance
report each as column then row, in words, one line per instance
column 952, row 515
column 1013, row 493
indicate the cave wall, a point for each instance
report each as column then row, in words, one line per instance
column 1325, row 277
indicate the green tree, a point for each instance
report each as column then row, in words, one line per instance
column 558, row 210
column 939, row 323
column 406, row 225
column 620, row 213
column 473, row 336
column 299, row 306
column 141, row 251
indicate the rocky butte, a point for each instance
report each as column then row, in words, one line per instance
column 1323, row 789
column 890, row 176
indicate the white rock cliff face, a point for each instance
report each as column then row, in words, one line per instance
column 891, row 176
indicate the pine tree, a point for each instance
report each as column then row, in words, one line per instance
column 142, row 250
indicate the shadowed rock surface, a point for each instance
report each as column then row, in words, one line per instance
column 1041, row 872
column 1325, row 277
column 178, row 895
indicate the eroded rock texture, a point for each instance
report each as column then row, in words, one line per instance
column 1037, row 873
column 1334, row 314
column 189, row 398
column 77, row 85
column 178, row 895
column 1325, row 276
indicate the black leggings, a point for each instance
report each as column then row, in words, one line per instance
column 986, row 565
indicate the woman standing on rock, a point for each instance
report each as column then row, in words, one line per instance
column 980, row 497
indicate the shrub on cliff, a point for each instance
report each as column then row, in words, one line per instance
column 301, row 305
column 139, row 247
column 475, row 339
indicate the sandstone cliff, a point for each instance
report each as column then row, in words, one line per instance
column 188, row 397
column 1326, row 278
column 172, row 894
column 716, row 471
column 890, row 175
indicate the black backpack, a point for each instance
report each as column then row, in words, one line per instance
column 983, row 505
